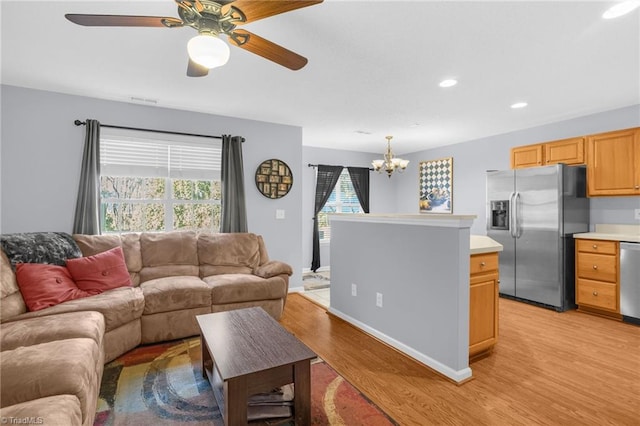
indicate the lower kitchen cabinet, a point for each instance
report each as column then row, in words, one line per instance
column 598, row 277
column 483, row 304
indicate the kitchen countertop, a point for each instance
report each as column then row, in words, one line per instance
column 483, row 244
column 629, row 233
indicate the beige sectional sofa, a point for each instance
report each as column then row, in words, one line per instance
column 175, row 276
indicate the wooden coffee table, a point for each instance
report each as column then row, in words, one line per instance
column 245, row 352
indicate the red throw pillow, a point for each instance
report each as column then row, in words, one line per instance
column 102, row 272
column 44, row 285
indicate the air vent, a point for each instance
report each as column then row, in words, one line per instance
column 144, row 100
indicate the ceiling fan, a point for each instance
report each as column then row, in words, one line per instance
column 211, row 19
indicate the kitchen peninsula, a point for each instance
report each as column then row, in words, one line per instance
column 405, row 279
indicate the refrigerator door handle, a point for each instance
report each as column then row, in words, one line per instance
column 512, row 220
column 516, row 210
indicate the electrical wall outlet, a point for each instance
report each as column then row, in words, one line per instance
column 379, row 300
column 636, row 214
column 279, row 214
column 354, row 289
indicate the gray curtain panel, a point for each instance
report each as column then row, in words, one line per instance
column 87, row 217
column 326, row 180
column 360, row 180
column 234, row 208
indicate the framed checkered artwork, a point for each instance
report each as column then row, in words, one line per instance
column 436, row 186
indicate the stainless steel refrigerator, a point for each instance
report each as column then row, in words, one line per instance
column 534, row 213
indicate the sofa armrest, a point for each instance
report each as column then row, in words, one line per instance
column 272, row 269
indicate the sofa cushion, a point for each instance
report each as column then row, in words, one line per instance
column 168, row 254
column 11, row 301
column 231, row 288
column 175, row 293
column 130, row 243
column 118, row 306
column 45, row 285
column 101, row 272
column 53, row 410
column 228, row 253
column 8, row 282
column 12, row 306
column 52, row 368
column 264, row 255
column 34, row 331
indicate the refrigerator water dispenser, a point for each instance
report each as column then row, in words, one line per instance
column 500, row 214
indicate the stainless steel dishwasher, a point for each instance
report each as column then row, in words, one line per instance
column 630, row 282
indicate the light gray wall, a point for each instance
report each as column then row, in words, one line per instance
column 382, row 192
column 471, row 160
column 41, row 152
column 422, row 273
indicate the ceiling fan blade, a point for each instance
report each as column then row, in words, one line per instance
column 123, row 20
column 196, row 70
column 259, row 9
column 267, row 49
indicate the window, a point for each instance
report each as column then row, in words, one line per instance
column 343, row 199
column 148, row 183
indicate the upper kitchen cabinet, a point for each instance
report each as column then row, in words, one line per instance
column 613, row 163
column 527, row 156
column 567, row 151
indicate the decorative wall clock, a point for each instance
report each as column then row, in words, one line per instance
column 274, row 178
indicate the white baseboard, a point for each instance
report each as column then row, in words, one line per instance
column 296, row 289
column 457, row 376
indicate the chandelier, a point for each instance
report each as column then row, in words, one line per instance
column 390, row 163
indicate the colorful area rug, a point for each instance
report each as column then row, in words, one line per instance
column 163, row 385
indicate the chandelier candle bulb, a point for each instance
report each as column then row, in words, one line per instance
column 390, row 163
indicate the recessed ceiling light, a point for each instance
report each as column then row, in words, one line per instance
column 448, row 83
column 519, row 105
column 362, row 132
column 620, row 9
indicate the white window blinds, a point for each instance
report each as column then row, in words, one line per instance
column 145, row 154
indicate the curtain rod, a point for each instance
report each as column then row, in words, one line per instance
column 82, row 123
column 316, row 165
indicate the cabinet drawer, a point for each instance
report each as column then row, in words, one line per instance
column 485, row 262
column 600, row 267
column 597, row 294
column 597, row 246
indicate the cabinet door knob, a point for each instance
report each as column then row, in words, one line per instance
column 637, row 186
column 595, row 246
column 595, row 293
column 482, row 264
column 595, row 266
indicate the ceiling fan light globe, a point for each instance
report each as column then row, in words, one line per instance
column 208, row 51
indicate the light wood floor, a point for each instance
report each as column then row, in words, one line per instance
column 548, row 368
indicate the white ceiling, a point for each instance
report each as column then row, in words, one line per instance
column 374, row 66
